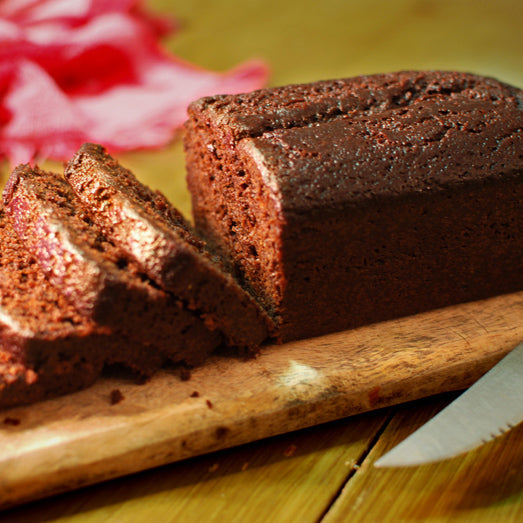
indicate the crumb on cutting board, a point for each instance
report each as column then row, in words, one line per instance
column 289, row 451
column 116, row 396
column 11, row 421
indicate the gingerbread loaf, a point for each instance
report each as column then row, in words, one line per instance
column 152, row 233
column 93, row 274
column 354, row 201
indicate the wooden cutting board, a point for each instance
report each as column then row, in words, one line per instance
column 80, row 439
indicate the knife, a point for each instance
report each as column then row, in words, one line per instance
column 490, row 407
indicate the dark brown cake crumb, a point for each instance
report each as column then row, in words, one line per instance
column 14, row 422
column 116, row 396
column 209, row 403
column 195, row 394
column 289, row 451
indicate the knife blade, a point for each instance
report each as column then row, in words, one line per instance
column 490, row 407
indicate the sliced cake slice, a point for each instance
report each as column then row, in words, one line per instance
column 155, row 235
column 93, row 274
column 21, row 385
column 46, row 346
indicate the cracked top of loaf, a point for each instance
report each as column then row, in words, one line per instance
column 337, row 143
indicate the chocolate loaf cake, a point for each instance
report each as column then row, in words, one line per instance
column 162, row 243
column 46, row 346
column 354, row 201
column 95, row 276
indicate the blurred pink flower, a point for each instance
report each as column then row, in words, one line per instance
column 94, row 70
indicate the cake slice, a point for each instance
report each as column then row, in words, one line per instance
column 21, row 385
column 46, row 346
column 162, row 243
column 95, row 276
column 358, row 200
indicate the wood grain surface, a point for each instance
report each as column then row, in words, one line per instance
column 471, row 487
column 83, row 438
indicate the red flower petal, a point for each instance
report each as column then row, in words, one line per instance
column 43, row 120
column 29, row 12
column 93, row 70
column 145, row 115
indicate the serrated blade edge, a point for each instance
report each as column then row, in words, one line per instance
column 490, row 407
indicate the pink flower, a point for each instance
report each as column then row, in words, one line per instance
column 94, row 71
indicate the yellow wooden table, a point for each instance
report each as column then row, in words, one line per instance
column 324, row 473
